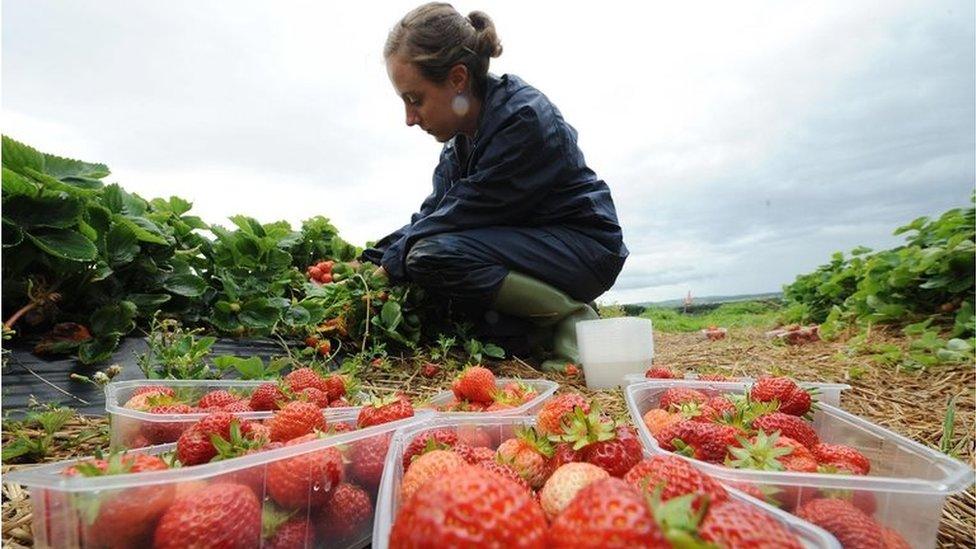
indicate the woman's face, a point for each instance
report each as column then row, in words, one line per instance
column 428, row 104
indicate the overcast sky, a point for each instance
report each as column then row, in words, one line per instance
column 744, row 142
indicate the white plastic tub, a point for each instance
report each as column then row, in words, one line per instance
column 62, row 505
column 497, row 429
column 611, row 348
column 135, row 429
column 543, row 387
column 828, row 393
column 905, row 491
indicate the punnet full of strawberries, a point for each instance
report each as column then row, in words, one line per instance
column 477, row 390
column 335, row 390
column 324, row 496
column 767, row 428
column 575, row 478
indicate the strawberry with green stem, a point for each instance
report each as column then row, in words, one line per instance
column 123, row 517
column 475, row 384
column 704, row 441
column 528, row 453
column 789, row 397
column 772, row 452
column 295, row 419
column 385, row 410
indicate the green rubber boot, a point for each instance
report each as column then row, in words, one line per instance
column 527, row 297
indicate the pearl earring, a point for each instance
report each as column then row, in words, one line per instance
column 460, row 104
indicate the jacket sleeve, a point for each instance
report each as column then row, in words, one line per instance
column 516, row 170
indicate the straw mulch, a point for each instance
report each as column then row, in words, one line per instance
column 910, row 403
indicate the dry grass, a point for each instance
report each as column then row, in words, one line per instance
column 910, row 403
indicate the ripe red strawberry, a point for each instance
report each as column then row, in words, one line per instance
column 497, row 406
column 427, row 466
column 792, row 399
column 220, row 515
column 340, row 402
column 528, row 453
column 305, row 480
column 674, row 397
column 564, row 483
column 562, row 454
column 733, row 523
column 442, row 437
column 772, row 453
column 305, row 377
column 704, row 441
column 549, row 420
column 268, row 396
column 616, row 455
column 216, row 399
column 572, row 370
column 385, row 410
column 347, row 515
column 721, row 405
column 606, row 513
column 470, row 506
column 238, row 406
column 841, row 457
column 324, row 348
column 675, row 477
column 789, row 426
column 473, row 455
column 475, row 384
column 337, row 386
column 366, row 459
column 852, row 528
column 660, row 372
column 315, row 396
column 159, row 432
column 430, row 369
column 295, row 532
column 296, row 419
column 195, row 445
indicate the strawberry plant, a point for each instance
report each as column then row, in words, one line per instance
column 928, row 284
column 77, row 249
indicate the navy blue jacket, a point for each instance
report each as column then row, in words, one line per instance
column 523, row 168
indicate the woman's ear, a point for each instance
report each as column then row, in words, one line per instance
column 458, row 77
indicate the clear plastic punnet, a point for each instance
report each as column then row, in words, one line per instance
column 491, row 430
column 905, row 489
column 330, row 482
column 543, row 387
column 828, row 393
column 135, row 429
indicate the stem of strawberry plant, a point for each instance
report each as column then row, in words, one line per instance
column 9, row 324
column 368, row 308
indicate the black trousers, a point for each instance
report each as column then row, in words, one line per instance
column 468, row 266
